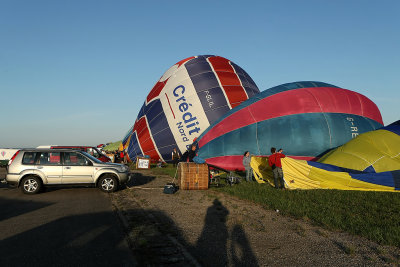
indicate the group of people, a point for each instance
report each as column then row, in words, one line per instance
column 274, row 161
column 120, row 157
column 188, row 156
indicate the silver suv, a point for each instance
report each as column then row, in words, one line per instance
column 31, row 169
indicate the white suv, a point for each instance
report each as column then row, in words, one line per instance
column 31, row 169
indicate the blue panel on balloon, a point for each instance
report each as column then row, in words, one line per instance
column 204, row 81
column 164, row 138
column 212, row 115
column 212, row 98
column 199, row 68
column 154, row 110
column 159, row 124
column 382, row 178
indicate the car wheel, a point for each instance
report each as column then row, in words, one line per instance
column 31, row 185
column 108, row 184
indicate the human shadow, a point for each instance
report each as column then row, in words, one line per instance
column 94, row 239
column 212, row 242
column 153, row 247
column 241, row 252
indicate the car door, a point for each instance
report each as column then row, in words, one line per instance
column 49, row 165
column 77, row 168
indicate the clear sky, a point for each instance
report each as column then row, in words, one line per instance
column 78, row 71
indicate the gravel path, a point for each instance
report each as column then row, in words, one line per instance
column 208, row 228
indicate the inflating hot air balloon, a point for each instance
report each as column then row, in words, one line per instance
column 306, row 119
column 190, row 96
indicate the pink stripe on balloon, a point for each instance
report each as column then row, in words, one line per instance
column 298, row 101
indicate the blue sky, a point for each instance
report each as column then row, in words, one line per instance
column 77, row 72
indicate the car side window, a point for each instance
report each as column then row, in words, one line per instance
column 49, row 158
column 75, row 159
column 29, row 158
column 93, row 152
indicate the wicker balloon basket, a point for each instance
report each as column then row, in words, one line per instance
column 193, row 176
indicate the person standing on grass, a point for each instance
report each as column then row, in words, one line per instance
column 246, row 164
column 275, row 162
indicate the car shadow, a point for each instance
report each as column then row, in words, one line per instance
column 11, row 207
column 80, row 240
column 138, row 179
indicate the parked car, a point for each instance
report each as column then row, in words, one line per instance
column 31, row 169
column 6, row 154
column 94, row 151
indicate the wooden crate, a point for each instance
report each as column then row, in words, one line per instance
column 193, row 176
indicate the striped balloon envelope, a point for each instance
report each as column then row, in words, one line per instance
column 306, row 119
column 188, row 97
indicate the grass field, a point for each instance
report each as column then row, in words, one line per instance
column 374, row 215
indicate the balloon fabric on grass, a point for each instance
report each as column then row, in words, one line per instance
column 369, row 162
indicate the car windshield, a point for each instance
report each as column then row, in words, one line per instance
column 91, row 157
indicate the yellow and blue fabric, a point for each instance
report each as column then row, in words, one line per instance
column 375, row 151
column 371, row 161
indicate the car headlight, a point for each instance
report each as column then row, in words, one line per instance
column 122, row 168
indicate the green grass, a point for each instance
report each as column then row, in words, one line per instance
column 167, row 169
column 375, row 215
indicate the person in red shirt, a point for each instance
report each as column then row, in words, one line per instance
column 275, row 162
column 121, row 156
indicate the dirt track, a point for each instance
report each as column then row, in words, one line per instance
column 220, row 230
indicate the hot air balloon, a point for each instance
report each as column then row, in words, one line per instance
column 306, row 119
column 188, row 97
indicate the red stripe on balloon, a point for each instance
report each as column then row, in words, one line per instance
column 155, row 92
column 145, row 141
column 229, row 80
column 298, row 101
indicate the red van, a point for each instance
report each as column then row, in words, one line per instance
column 89, row 149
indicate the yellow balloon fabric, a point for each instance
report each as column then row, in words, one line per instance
column 379, row 149
column 299, row 174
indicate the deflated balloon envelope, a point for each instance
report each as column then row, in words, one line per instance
column 189, row 96
column 306, row 119
column 375, row 151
